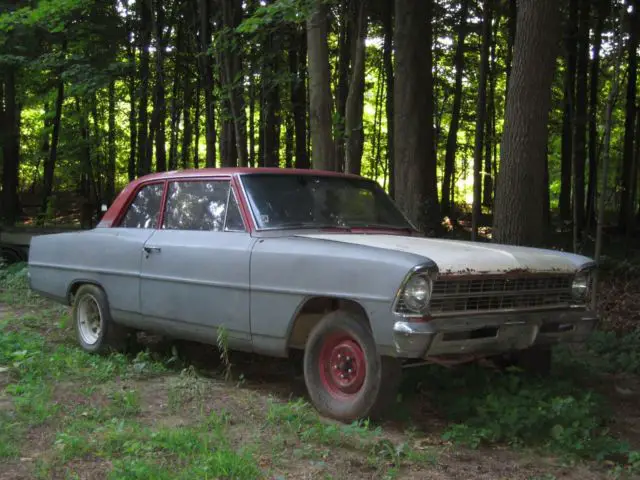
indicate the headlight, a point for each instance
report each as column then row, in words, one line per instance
column 581, row 287
column 417, row 293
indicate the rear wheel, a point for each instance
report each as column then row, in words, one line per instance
column 95, row 329
column 345, row 376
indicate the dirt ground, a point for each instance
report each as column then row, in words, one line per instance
column 281, row 452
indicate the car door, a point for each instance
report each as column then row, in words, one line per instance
column 195, row 269
column 121, row 251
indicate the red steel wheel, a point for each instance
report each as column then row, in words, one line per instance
column 345, row 376
column 343, row 366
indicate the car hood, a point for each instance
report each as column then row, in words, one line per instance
column 455, row 256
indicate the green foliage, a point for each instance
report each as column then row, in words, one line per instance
column 140, row 452
column 274, row 14
column 554, row 414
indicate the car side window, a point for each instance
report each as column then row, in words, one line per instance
column 197, row 205
column 234, row 222
column 145, row 208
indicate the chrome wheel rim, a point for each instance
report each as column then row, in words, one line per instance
column 89, row 319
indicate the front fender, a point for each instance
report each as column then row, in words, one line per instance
column 286, row 271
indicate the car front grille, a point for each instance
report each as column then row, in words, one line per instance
column 500, row 292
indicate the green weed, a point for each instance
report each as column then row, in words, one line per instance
column 555, row 414
column 137, row 451
column 188, row 388
column 14, row 286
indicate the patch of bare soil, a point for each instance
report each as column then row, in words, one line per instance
column 37, row 442
column 90, row 468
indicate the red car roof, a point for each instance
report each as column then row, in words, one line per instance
column 210, row 172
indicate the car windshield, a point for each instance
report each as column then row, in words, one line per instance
column 317, row 201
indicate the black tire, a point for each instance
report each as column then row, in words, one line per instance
column 109, row 336
column 533, row 360
column 369, row 382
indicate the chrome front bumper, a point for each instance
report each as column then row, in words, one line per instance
column 491, row 333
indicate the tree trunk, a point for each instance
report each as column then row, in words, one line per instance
column 388, row 73
column 97, row 154
column 322, row 147
column 348, row 16
column 580, row 126
column 481, row 113
column 272, row 107
column 11, row 149
column 175, row 96
column 511, row 36
column 452, row 137
column 490, row 130
column 159, row 108
column 50, row 163
column 602, row 12
column 133, row 125
column 110, row 185
column 206, row 79
column 626, row 201
column 144, row 156
column 86, row 170
column 232, row 14
column 297, row 63
column 353, row 122
column 608, row 126
column 571, row 52
column 196, row 127
column 518, row 218
column 252, row 121
column 416, row 189
column 187, row 133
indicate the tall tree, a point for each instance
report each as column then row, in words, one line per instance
column 452, row 136
column 602, row 10
column 206, row 80
column 322, row 147
column 353, row 121
column 626, row 201
column 580, row 124
column 110, row 186
column 50, row 161
column 11, row 147
column 144, row 155
column 297, row 66
column 481, row 114
column 159, row 104
column 416, row 189
column 571, row 52
column 387, row 57
column 519, row 217
column 233, row 78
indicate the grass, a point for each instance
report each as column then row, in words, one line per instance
column 148, row 414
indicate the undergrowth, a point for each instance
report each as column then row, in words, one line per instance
column 560, row 414
column 556, row 414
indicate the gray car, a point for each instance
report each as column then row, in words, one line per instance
column 319, row 262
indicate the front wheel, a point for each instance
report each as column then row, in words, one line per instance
column 345, row 376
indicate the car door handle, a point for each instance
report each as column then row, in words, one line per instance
column 152, row 249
